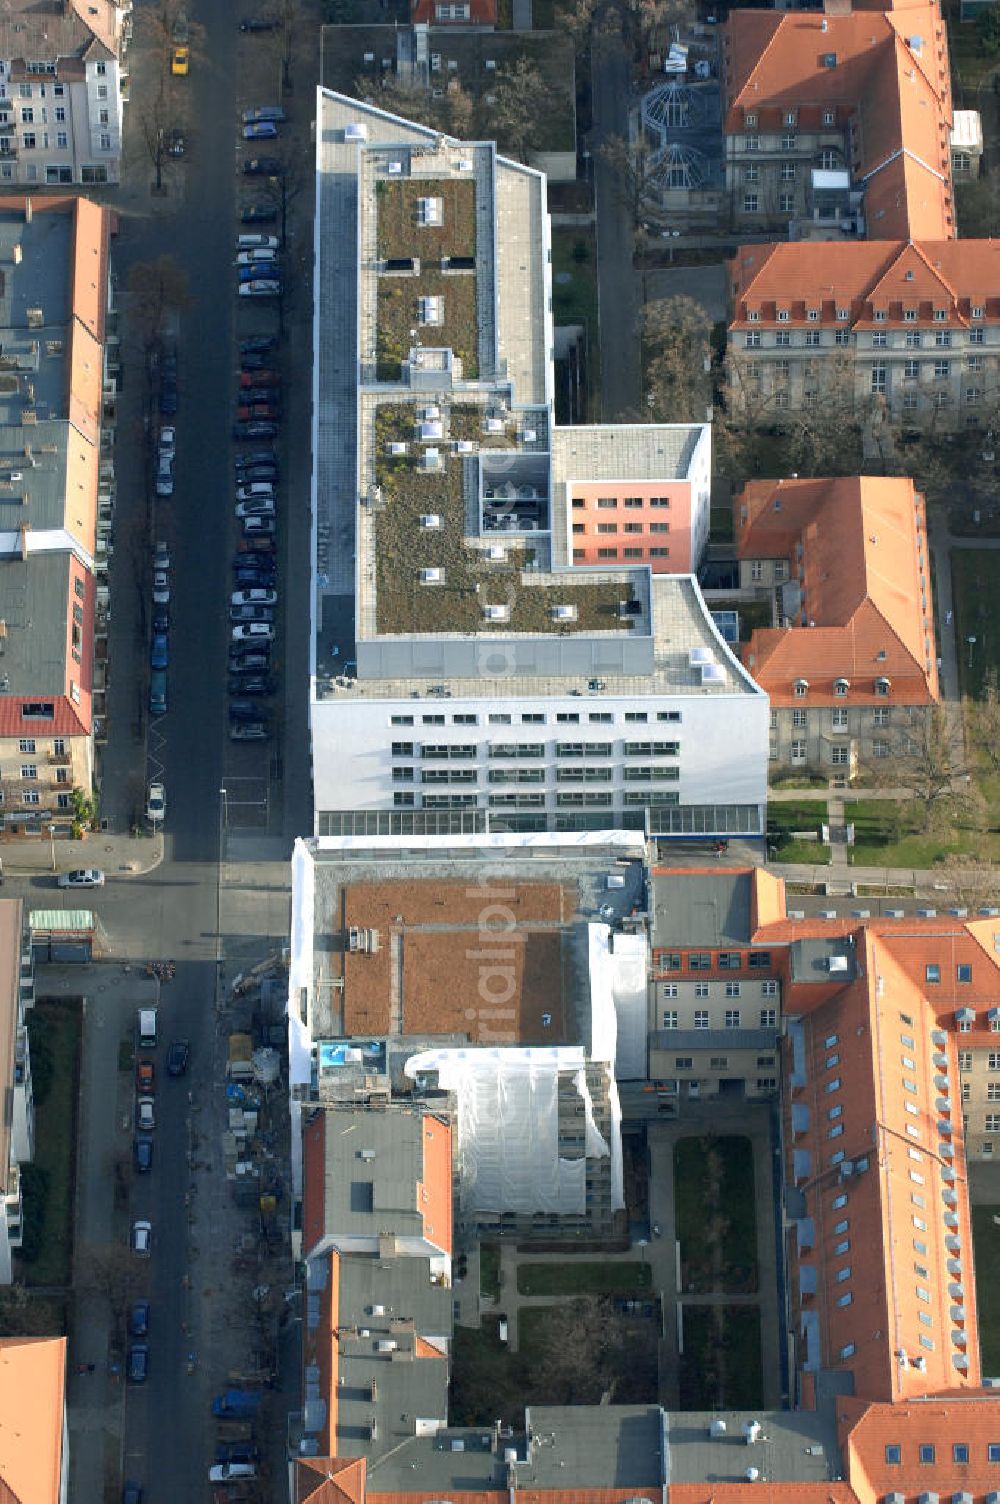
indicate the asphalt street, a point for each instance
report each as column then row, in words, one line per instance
column 221, row 890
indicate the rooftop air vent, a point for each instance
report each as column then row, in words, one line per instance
column 354, row 130
column 496, row 613
column 432, row 576
column 564, row 613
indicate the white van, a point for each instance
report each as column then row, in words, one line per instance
column 257, row 242
column 147, row 1028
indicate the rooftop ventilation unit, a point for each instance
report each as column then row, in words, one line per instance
column 395, row 169
column 395, row 447
column 496, row 613
column 430, row 520
column 430, row 309
column 464, row 164
column 430, row 211
column 430, row 459
column 432, row 576
column 354, row 130
column 493, row 425
column 837, row 965
column 564, row 613
column 496, row 552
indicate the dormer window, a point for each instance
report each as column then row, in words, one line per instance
column 750, row 120
column 782, row 315
column 753, row 315
column 940, row 314
column 843, row 314
column 828, row 117
column 909, row 315
column 976, row 311
column 812, row 314
column 879, row 315
column 800, row 688
column 882, row 687
column 840, row 687
column 789, row 117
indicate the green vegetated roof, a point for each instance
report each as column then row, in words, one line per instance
column 402, row 236
column 397, row 316
column 400, row 232
column 471, row 580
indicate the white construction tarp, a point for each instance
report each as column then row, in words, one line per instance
column 300, row 983
column 508, row 1126
column 618, row 1001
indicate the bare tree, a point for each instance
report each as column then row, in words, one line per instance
column 575, row 18
column 523, row 100
column 155, row 123
column 582, row 1351
column 112, row 1273
column 164, row 26
column 969, row 882
column 638, row 191
column 677, row 354
column 155, row 288
column 925, row 762
column 982, row 719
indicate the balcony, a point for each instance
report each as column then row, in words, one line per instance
column 59, row 759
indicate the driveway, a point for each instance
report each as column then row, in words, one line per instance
column 617, row 282
column 705, row 284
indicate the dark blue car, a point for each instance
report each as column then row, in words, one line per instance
column 137, row 1363
column 142, row 1149
column 159, row 652
column 138, row 1319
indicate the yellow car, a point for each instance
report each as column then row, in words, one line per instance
column 181, row 60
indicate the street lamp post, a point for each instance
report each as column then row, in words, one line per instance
column 52, row 845
column 972, row 642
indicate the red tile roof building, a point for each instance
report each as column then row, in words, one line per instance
column 454, row 12
column 881, row 1019
column 839, row 124
column 850, row 663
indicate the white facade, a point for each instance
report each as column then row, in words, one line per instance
column 559, row 756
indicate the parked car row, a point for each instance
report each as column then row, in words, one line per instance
column 254, row 598
column 166, row 360
column 159, row 650
column 258, row 264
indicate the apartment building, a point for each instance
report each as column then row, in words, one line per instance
column 62, row 92
column 489, row 678
column 53, row 475
column 714, row 995
column 839, row 129
column 910, row 324
column 849, row 663
column 17, row 1130
column 34, row 1439
column 836, row 122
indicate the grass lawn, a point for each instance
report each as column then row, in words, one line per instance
column 575, row 1276
column 786, row 816
column 54, row 1031
column 986, row 1247
column 489, row 1271
column 720, row 1368
column 719, row 1200
column 975, row 583
column 574, row 291
column 884, row 839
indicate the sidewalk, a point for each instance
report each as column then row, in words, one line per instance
column 115, row 855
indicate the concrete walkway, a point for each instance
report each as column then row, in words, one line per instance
column 116, row 855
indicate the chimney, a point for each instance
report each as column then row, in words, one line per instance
column 837, row 7
column 27, row 210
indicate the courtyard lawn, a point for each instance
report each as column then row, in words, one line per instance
column 720, row 1368
column 714, row 1205
column 975, row 584
column 786, row 816
column 986, row 1248
column 54, row 1029
column 575, row 1276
